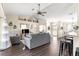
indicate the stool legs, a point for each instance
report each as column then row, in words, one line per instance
column 65, row 49
column 61, row 48
column 77, row 51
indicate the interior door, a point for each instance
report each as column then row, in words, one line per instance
column 54, row 28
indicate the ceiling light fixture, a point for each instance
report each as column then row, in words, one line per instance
column 39, row 12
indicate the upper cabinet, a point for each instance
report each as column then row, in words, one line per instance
column 1, row 11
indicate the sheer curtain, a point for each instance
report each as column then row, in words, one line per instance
column 4, row 33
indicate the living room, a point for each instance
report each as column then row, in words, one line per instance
column 45, row 23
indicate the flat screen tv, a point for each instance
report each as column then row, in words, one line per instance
column 25, row 30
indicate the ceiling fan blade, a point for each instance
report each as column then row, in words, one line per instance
column 39, row 7
column 38, row 4
column 33, row 9
column 43, row 15
column 43, row 12
column 39, row 12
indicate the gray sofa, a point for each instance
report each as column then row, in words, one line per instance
column 37, row 40
column 15, row 40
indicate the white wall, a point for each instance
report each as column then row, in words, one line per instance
column 0, row 30
column 64, row 19
column 76, row 40
column 15, row 21
column 1, row 11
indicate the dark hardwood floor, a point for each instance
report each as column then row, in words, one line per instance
column 50, row 49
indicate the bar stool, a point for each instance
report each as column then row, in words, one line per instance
column 65, row 47
column 61, row 48
column 71, row 47
column 77, row 51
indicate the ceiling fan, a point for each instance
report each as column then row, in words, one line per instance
column 39, row 12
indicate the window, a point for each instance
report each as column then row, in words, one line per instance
column 23, row 26
column 42, row 28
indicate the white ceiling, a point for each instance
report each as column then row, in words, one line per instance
column 22, row 8
column 60, row 9
column 52, row 9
